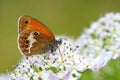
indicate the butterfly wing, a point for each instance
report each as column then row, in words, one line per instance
column 34, row 37
column 29, row 23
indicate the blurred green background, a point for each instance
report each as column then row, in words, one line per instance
column 67, row 17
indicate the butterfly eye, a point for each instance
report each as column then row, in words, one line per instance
column 36, row 33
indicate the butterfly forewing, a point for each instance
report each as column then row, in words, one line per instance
column 29, row 23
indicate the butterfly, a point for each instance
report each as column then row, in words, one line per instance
column 34, row 37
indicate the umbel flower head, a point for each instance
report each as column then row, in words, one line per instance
column 92, row 50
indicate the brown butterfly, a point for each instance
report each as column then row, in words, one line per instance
column 34, row 37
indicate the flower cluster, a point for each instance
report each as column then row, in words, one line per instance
column 101, row 42
column 92, row 50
